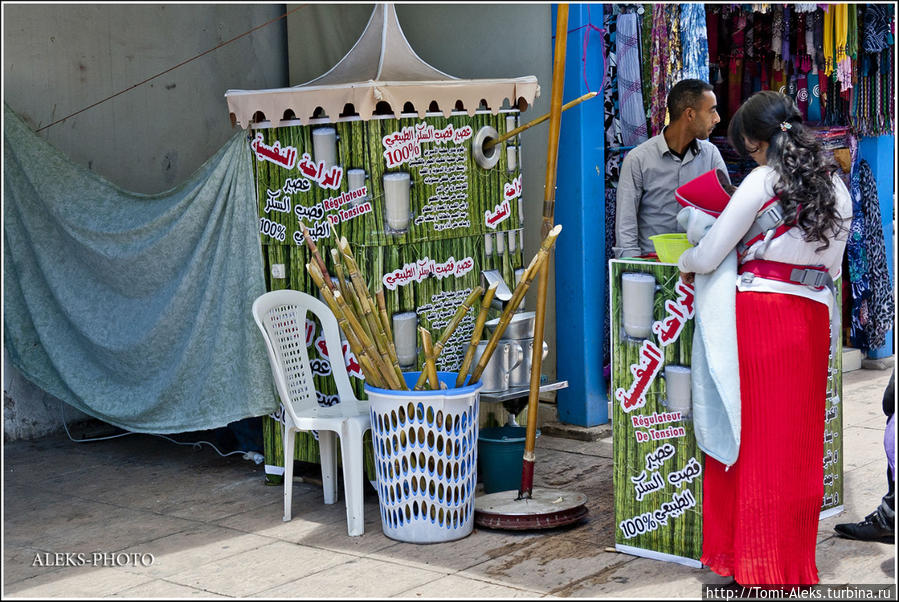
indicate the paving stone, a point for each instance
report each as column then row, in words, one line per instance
column 458, row 586
column 74, row 582
column 248, row 573
column 359, row 577
column 195, row 546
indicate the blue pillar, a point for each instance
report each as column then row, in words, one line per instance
column 879, row 151
column 581, row 295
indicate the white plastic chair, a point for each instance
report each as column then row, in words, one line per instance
column 281, row 316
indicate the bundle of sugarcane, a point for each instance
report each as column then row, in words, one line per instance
column 367, row 327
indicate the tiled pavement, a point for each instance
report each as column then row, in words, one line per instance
column 215, row 530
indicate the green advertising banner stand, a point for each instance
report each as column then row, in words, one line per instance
column 388, row 152
column 657, row 463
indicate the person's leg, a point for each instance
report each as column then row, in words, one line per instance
column 880, row 525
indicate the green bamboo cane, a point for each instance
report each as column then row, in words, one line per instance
column 430, row 367
column 530, row 272
column 476, row 333
column 448, row 331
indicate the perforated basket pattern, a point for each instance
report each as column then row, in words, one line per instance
column 288, row 329
column 426, row 464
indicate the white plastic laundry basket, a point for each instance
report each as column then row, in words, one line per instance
column 426, row 445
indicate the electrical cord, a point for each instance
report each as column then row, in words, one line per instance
column 247, row 455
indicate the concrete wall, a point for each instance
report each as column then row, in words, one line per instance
column 467, row 41
column 60, row 58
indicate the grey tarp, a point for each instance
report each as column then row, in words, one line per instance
column 134, row 308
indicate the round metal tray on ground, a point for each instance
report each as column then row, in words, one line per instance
column 545, row 509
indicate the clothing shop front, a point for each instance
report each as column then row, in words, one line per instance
column 837, row 62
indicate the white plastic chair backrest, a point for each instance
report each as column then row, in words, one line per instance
column 281, row 316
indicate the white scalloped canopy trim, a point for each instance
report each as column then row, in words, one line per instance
column 380, row 67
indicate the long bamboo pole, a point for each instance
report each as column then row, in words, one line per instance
column 491, row 143
column 549, row 199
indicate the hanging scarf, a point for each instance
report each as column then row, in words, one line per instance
column 645, row 63
column 876, row 27
column 659, row 62
column 828, row 40
column 675, row 54
column 881, row 306
column 630, row 93
column 695, row 42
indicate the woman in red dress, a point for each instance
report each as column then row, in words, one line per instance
column 760, row 515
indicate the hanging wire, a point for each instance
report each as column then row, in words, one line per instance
column 248, row 455
column 181, row 64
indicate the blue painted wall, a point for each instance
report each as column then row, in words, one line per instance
column 581, row 296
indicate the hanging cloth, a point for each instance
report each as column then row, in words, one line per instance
column 881, row 307
column 829, row 62
column 134, row 308
column 630, row 92
column 659, row 61
column 695, row 42
column 675, row 54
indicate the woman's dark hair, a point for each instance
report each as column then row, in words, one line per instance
column 805, row 187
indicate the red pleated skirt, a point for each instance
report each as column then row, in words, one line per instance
column 760, row 517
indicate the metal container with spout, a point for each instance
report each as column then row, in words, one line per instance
column 518, row 336
column 506, row 358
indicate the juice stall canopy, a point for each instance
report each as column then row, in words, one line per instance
column 380, row 67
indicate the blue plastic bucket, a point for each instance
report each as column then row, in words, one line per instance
column 426, row 453
column 500, row 452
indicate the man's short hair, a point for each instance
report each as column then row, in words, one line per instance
column 685, row 93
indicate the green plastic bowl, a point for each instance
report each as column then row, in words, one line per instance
column 669, row 247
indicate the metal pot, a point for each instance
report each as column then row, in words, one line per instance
column 521, row 326
column 506, row 357
column 520, row 376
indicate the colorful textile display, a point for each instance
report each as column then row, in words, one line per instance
column 873, row 306
column 836, row 60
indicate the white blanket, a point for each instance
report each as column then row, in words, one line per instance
column 714, row 363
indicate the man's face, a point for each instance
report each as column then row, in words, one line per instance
column 705, row 115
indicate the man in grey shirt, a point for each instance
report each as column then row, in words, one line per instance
column 652, row 171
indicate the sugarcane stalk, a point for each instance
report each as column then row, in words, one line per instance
column 538, row 120
column 372, row 375
column 385, row 323
column 374, row 322
column 318, row 258
column 357, row 305
column 430, row 367
column 338, row 269
column 530, row 272
column 476, row 333
column 388, row 376
column 450, row 328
